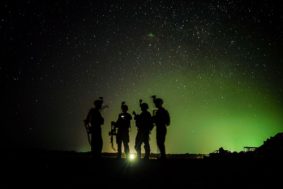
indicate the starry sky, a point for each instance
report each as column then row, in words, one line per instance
column 217, row 65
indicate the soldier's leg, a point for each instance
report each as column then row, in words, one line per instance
column 96, row 143
column 146, row 146
column 158, row 139
column 138, row 144
column 161, row 134
column 126, row 140
column 119, row 145
column 92, row 144
column 100, row 145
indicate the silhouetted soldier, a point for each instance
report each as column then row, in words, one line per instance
column 93, row 123
column 123, row 124
column 144, row 125
column 161, row 119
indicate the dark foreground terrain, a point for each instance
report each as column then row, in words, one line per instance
column 51, row 169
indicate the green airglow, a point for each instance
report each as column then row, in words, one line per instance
column 207, row 111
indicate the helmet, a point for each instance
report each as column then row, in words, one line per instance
column 144, row 106
column 98, row 103
column 158, row 101
column 124, row 107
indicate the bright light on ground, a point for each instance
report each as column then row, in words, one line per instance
column 132, row 157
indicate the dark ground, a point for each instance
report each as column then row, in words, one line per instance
column 41, row 169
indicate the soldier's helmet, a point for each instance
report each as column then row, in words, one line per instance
column 144, row 106
column 157, row 101
column 98, row 103
column 124, row 107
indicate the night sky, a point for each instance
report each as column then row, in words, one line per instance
column 217, row 65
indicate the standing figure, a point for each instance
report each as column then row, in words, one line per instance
column 161, row 119
column 93, row 123
column 144, row 125
column 123, row 124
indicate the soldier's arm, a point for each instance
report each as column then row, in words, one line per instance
column 135, row 115
column 118, row 121
column 88, row 117
column 98, row 118
column 168, row 117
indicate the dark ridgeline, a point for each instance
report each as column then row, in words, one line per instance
column 144, row 124
column 271, row 149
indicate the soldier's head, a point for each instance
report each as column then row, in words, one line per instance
column 98, row 103
column 144, row 107
column 158, row 102
column 124, row 107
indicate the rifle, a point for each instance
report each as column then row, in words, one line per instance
column 112, row 133
column 136, row 116
column 87, row 127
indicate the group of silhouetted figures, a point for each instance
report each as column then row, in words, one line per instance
column 144, row 121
